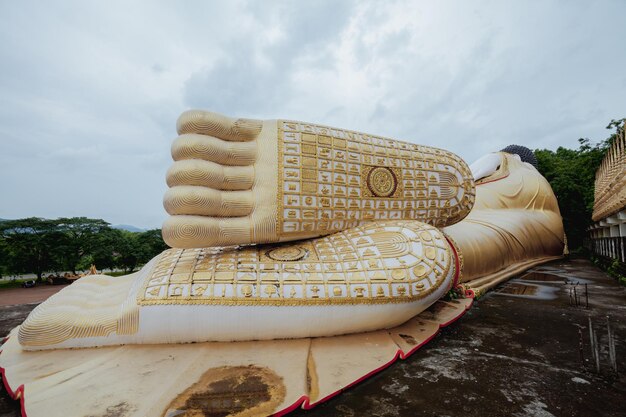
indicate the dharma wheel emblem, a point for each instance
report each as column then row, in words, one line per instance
column 288, row 254
column 382, row 182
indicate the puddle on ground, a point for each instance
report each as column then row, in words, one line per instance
column 518, row 289
column 543, row 277
column 550, row 270
column 553, row 276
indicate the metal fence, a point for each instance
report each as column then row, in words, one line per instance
column 610, row 247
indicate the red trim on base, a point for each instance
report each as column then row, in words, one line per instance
column 412, row 351
column 292, row 407
column 457, row 265
column 308, row 406
column 18, row 394
column 304, row 400
column 446, row 324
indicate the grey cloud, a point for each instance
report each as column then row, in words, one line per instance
column 306, row 24
column 90, row 92
column 236, row 85
column 238, row 82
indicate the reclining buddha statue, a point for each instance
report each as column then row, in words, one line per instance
column 282, row 229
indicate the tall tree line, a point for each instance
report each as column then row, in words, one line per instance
column 37, row 245
column 572, row 173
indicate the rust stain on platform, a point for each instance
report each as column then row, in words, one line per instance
column 240, row 391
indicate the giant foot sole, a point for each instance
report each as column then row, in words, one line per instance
column 241, row 181
column 366, row 278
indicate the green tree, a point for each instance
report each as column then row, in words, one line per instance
column 81, row 238
column 37, row 245
column 135, row 249
column 32, row 245
column 128, row 253
column 150, row 244
column 571, row 173
column 106, row 247
column 4, row 257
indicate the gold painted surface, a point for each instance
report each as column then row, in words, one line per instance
column 80, row 311
column 243, row 181
column 381, row 182
column 386, row 262
column 515, row 218
column 222, row 183
column 332, row 179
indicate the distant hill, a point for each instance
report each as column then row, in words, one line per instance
column 127, row 227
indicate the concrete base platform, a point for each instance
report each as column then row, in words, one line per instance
column 516, row 352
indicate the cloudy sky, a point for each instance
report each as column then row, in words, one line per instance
column 90, row 91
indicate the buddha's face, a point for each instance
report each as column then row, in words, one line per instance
column 486, row 165
column 489, row 164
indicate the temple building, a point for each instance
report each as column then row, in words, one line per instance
column 608, row 232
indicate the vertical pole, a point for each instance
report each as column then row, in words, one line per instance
column 612, row 355
column 570, row 296
column 595, row 352
column 597, row 349
column 581, row 347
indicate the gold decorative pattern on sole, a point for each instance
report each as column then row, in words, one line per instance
column 385, row 262
column 331, row 180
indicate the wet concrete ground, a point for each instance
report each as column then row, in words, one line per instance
column 515, row 353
